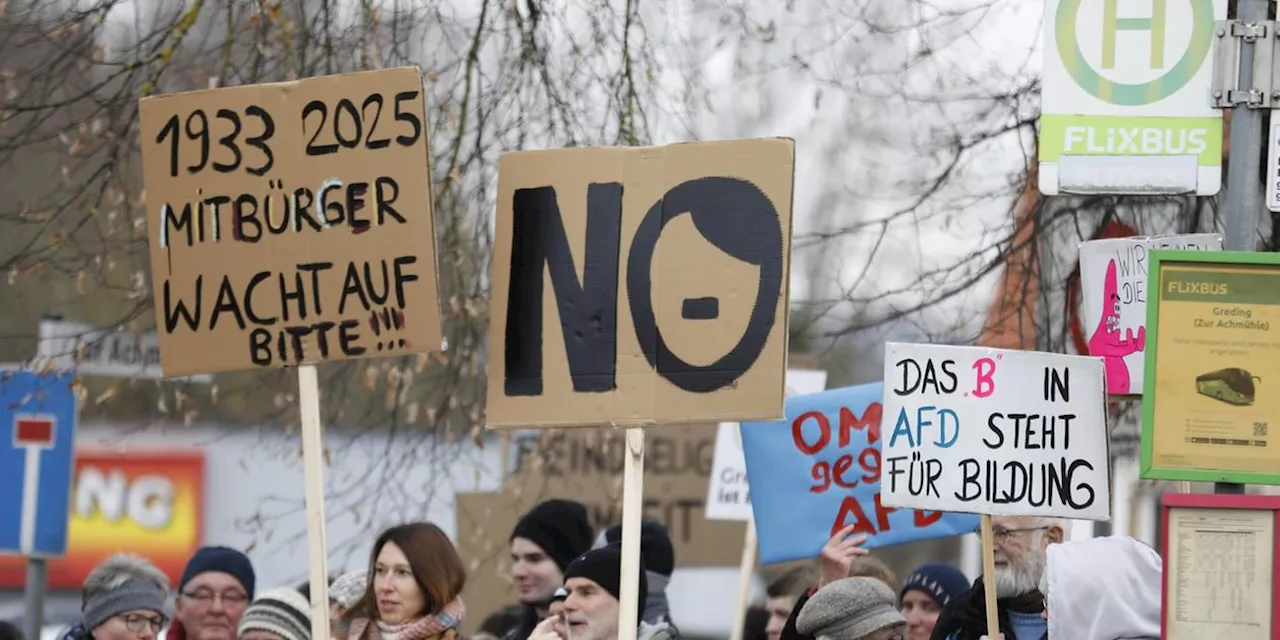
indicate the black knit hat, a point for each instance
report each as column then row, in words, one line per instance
column 603, row 566
column 223, row 559
column 655, row 545
column 560, row 527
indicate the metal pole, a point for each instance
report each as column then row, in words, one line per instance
column 1243, row 203
column 37, row 577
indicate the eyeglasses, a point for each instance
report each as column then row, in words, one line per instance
column 1002, row 535
column 206, row 598
column 136, row 622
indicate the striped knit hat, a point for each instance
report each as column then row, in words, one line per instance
column 283, row 611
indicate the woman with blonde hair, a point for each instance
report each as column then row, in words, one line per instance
column 413, row 590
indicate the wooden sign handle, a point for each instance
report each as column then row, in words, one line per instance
column 632, row 511
column 745, row 573
column 989, row 577
column 313, row 474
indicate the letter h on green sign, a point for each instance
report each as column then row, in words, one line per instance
column 1111, row 24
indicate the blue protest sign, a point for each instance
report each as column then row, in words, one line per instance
column 818, row 471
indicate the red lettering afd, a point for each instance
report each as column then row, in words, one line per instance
column 850, row 508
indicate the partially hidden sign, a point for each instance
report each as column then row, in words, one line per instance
column 290, row 223
column 639, row 286
column 1113, row 279
column 728, row 492
column 819, row 471
column 995, row 431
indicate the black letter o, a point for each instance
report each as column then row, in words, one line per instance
column 736, row 217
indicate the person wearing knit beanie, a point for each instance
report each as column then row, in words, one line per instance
column 852, row 609
column 215, row 588
column 277, row 614
column 109, row 577
column 659, row 563
column 134, row 610
column 594, row 583
column 543, row 543
column 925, row 593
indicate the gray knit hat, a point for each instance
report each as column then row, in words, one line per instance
column 132, row 595
column 849, row 609
column 284, row 612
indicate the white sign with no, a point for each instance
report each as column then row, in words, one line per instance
column 728, row 496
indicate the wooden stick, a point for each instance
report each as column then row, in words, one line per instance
column 632, row 510
column 745, row 573
column 313, row 473
column 989, row 577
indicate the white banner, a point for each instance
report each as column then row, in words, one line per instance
column 728, row 496
column 995, row 431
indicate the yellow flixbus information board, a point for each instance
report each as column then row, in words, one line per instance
column 1213, row 368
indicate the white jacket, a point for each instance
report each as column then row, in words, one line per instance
column 1103, row 589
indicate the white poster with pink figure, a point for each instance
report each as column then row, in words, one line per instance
column 1113, row 286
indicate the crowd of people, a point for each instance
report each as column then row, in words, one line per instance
column 568, row 583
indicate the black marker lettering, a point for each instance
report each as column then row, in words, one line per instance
column 347, row 336
column 750, row 231
column 173, row 310
column 245, row 226
column 587, row 308
column 385, row 192
column 253, row 316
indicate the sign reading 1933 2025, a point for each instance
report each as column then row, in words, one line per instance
column 1126, row 98
column 291, row 223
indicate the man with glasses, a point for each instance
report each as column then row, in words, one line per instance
column 1020, row 544
column 215, row 589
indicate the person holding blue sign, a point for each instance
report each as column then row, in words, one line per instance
column 920, row 600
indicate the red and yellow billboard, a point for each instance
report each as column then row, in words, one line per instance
column 148, row 503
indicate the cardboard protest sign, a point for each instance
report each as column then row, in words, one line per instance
column 639, row 286
column 1113, row 284
column 995, row 431
column 586, row 465
column 820, row 470
column 290, row 223
column 728, row 493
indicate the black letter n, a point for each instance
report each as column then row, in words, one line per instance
column 588, row 309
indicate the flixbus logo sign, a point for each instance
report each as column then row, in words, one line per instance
column 1111, row 25
column 1126, row 105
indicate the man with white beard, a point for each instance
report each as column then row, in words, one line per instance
column 1020, row 544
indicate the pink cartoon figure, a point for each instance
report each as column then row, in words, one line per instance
column 1107, row 341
